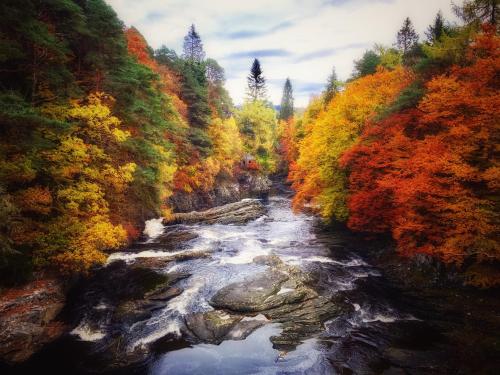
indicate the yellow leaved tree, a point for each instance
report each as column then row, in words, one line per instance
column 319, row 181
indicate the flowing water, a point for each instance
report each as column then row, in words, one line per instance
column 375, row 332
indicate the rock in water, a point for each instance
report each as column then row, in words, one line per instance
column 280, row 294
column 211, row 326
column 232, row 213
column 251, row 295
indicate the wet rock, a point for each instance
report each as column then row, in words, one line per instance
column 282, row 295
column 135, row 282
column 134, row 310
column 303, row 320
column 143, row 289
column 233, row 213
column 245, row 327
column 162, row 261
column 166, row 295
column 174, row 277
column 129, row 312
column 28, row 318
column 211, row 326
column 268, row 260
column 255, row 184
column 248, row 184
column 252, row 295
column 176, row 237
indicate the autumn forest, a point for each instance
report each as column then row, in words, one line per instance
column 100, row 133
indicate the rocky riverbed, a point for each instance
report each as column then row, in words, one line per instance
column 251, row 287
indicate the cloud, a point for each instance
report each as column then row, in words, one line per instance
column 354, row 2
column 299, row 39
column 244, row 34
column 330, row 51
column 258, row 54
column 298, row 86
column 308, row 87
column 155, row 16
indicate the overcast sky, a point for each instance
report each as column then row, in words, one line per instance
column 300, row 39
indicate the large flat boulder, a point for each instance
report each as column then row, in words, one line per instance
column 232, row 213
column 253, row 294
column 282, row 295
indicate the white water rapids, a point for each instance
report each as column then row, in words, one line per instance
column 230, row 252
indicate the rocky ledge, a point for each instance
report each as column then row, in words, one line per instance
column 233, row 213
column 247, row 184
column 28, row 318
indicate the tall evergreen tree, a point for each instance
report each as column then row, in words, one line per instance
column 436, row 30
column 332, row 87
column 194, row 91
column 167, row 57
column 407, row 37
column 286, row 108
column 193, row 47
column 478, row 11
column 256, row 83
column 366, row 65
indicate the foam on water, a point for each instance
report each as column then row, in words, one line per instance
column 172, row 327
column 153, row 228
column 233, row 249
column 380, row 318
column 86, row 333
column 180, row 303
column 101, row 306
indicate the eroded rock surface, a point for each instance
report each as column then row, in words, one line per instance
column 211, row 326
column 282, row 295
column 248, row 185
column 233, row 213
column 28, row 318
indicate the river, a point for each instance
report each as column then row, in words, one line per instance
column 346, row 317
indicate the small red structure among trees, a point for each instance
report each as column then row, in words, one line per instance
column 249, row 163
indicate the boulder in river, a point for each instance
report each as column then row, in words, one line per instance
column 252, row 295
column 282, row 295
column 232, row 213
column 211, row 326
column 217, row 326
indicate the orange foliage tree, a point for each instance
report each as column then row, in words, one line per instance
column 428, row 175
column 169, row 80
column 317, row 178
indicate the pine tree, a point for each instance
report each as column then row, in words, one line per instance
column 286, row 109
column 256, row 83
column 332, row 87
column 366, row 65
column 478, row 11
column 436, row 30
column 193, row 47
column 194, row 92
column 407, row 36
